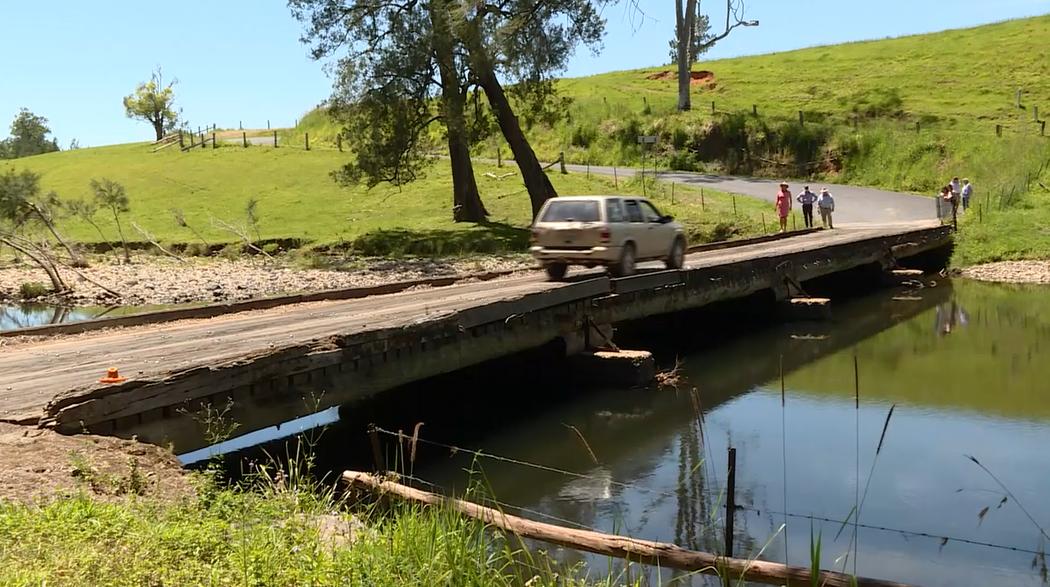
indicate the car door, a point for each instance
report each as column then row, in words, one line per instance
column 661, row 234
column 637, row 228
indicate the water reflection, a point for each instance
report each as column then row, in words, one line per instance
column 27, row 315
column 658, row 469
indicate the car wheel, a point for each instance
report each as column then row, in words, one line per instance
column 676, row 259
column 556, row 271
column 625, row 266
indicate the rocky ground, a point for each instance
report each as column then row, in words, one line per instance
column 1037, row 272
column 153, row 280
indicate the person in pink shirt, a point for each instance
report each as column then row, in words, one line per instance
column 783, row 206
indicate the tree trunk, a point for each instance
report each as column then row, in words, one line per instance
column 686, row 22
column 123, row 241
column 536, row 181
column 158, row 127
column 77, row 259
column 57, row 285
column 466, row 201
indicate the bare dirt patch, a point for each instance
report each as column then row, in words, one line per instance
column 42, row 464
column 697, row 78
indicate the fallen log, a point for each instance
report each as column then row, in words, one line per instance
column 645, row 552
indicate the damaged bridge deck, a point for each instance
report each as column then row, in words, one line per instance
column 287, row 362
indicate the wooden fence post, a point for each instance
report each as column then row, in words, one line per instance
column 181, row 143
column 712, row 106
column 616, row 180
column 274, row 139
column 244, row 137
column 214, row 145
column 672, row 193
column 998, row 130
column 734, row 204
column 754, row 109
column 267, row 125
column 339, row 142
column 499, row 157
column 1042, row 128
column 730, row 501
column 193, row 140
column 307, row 141
column 377, row 453
column 1035, row 110
column 561, row 161
column 1018, row 98
column 703, row 206
column 916, row 126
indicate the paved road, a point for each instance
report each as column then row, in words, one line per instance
column 853, row 205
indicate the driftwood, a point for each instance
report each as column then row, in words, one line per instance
column 637, row 551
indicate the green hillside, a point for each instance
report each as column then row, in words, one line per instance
column 299, row 201
column 925, row 108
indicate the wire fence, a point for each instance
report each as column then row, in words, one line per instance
column 407, row 446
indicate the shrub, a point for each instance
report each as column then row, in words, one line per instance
column 32, row 290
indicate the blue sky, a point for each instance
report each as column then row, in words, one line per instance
column 240, row 60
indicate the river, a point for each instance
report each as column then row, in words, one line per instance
column 963, row 369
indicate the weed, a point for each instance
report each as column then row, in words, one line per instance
column 231, row 252
column 31, row 290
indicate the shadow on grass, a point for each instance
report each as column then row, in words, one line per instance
column 489, row 237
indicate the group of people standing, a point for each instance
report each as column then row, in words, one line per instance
column 825, row 204
column 953, row 193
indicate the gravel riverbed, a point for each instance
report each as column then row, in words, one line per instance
column 152, row 280
column 1036, row 272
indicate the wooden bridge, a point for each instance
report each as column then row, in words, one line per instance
column 288, row 361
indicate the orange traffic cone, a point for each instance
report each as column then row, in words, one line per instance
column 112, row 376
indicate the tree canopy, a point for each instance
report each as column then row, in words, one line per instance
column 410, row 64
column 28, row 137
column 154, row 102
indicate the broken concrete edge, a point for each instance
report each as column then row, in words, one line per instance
column 213, row 310
column 751, row 241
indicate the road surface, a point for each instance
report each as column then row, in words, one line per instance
column 31, row 374
column 853, row 205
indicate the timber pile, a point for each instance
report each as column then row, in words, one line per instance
column 644, row 552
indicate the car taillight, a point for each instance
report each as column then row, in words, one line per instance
column 604, row 237
column 535, row 236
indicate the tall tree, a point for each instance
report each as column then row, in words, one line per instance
column 528, row 42
column 401, row 74
column 28, row 137
column 154, row 102
column 686, row 28
column 701, row 35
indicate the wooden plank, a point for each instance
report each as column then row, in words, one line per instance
column 646, row 552
column 212, row 310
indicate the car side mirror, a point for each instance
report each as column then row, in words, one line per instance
column 666, row 218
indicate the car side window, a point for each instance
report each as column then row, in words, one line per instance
column 650, row 211
column 613, row 211
column 634, row 212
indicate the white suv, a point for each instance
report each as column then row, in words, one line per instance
column 613, row 231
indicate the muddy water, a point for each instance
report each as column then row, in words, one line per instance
column 966, row 370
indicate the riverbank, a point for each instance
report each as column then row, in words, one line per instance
column 1029, row 272
column 87, row 510
column 151, row 280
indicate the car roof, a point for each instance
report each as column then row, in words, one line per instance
column 591, row 198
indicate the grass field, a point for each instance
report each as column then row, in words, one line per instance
column 926, row 110
column 299, row 201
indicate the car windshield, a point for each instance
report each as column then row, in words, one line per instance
column 573, row 211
